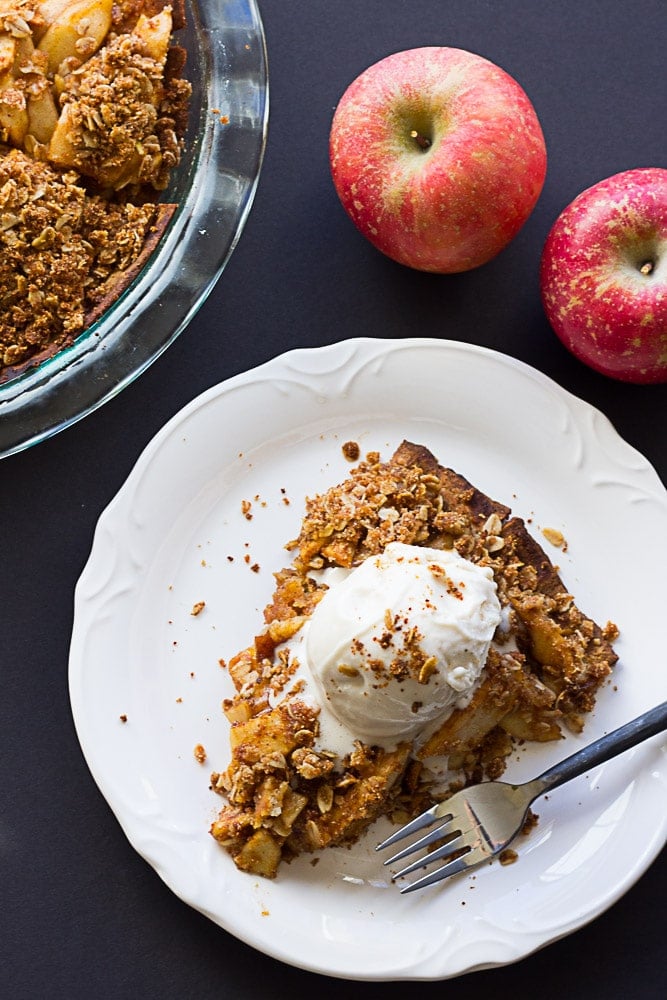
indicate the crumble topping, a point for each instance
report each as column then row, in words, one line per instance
column 408, row 659
column 112, row 126
column 59, row 246
column 351, row 451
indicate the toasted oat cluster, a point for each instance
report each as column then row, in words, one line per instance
column 285, row 793
column 93, row 107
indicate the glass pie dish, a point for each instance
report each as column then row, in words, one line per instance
column 213, row 187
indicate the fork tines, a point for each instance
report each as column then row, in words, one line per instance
column 425, row 819
column 461, row 863
column 460, row 850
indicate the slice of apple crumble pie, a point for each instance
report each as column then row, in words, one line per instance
column 408, row 588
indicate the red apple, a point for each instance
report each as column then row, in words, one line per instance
column 438, row 157
column 603, row 276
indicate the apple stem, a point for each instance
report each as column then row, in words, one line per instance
column 647, row 267
column 421, row 140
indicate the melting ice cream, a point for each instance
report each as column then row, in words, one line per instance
column 402, row 640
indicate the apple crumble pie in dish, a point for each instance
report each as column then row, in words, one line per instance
column 93, row 109
column 132, row 260
column 418, row 635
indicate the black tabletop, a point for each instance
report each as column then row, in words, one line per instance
column 81, row 914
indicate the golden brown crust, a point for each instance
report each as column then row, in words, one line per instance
column 458, row 493
column 106, row 294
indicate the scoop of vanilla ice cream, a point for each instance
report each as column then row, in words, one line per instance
column 401, row 640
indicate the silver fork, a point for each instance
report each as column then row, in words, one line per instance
column 479, row 822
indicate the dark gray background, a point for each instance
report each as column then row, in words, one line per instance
column 81, row 915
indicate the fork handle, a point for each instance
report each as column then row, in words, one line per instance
column 649, row 724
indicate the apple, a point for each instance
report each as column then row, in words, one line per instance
column 438, row 157
column 603, row 276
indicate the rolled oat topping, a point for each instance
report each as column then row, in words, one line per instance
column 58, row 247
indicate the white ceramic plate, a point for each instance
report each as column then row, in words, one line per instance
column 176, row 535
